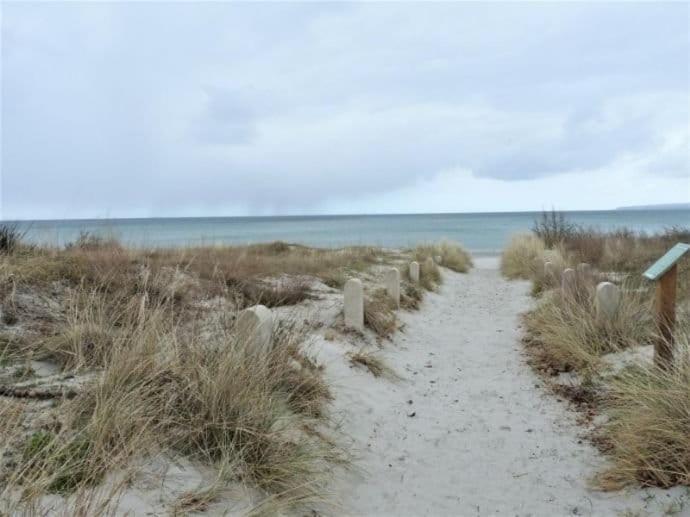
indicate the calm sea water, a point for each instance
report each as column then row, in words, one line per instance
column 484, row 233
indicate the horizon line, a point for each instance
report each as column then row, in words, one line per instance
column 641, row 208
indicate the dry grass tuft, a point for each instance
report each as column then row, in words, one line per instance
column 372, row 362
column 649, row 427
column 379, row 314
column 564, row 334
column 453, row 256
column 411, row 296
column 257, row 292
column 429, row 275
column 218, row 401
column 524, row 257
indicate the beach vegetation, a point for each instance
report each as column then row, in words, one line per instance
column 147, row 362
column 453, row 255
column 379, row 314
column 646, row 430
column 564, row 333
column 373, row 362
column 523, row 256
column 11, row 238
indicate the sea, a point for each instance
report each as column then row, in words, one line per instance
column 481, row 233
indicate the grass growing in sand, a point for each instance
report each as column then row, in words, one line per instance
column 372, row 362
column 148, row 339
column 648, row 431
column 649, row 427
column 564, row 333
column 452, row 254
column 147, row 362
column 379, row 314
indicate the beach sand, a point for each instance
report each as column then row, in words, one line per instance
column 469, row 429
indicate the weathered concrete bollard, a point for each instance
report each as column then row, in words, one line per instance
column 584, row 270
column 606, row 302
column 354, row 304
column 414, row 272
column 568, row 281
column 550, row 272
column 392, row 281
column 438, row 259
column 255, row 327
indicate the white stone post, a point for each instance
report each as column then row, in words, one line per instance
column 584, row 270
column 550, row 272
column 255, row 328
column 354, row 304
column 607, row 301
column 438, row 259
column 392, row 281
column 414, row 272
column 568, row 281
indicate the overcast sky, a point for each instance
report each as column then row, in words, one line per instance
column 169, row 109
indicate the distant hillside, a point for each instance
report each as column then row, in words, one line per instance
column 668, row 206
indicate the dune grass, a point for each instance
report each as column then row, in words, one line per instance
column 649, row 427
column 453, row 255
column 168, row 387
column 563, row 332
column 648, row 431
column 523, row 256
column 373, row 363
column 146, row 340
column 150, row 338
column 379, row 314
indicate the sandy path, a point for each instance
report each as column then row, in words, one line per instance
column 469, row 431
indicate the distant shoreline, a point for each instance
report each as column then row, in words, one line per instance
column 652, row 208
column 671, row 206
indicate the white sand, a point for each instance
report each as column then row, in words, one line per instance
column 485, row 438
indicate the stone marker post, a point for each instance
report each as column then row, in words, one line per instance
column 255, row 328
column 354, row 304
column 392, row 281
column 584, row 270
column 606, row 302
column 568, row 282
column 550, row 272
column 438, row 259
column 414, row 272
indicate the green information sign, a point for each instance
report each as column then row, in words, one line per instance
column 666, row 262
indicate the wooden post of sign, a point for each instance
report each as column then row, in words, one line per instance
column 665, row 318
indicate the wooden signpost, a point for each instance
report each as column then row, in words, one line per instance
column 664, row 272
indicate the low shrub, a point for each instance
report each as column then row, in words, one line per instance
column 11, row 238
column 553, row 228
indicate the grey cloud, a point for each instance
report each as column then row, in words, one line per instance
column 253, row 108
